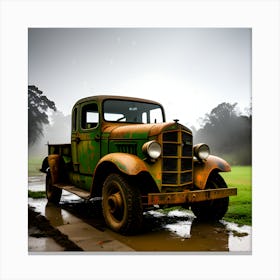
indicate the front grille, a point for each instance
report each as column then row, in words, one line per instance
column 177, row 158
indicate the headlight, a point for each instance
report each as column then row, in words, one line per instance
column 152, row 149
column 201, row 151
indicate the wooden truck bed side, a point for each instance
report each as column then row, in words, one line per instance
column 63, row 150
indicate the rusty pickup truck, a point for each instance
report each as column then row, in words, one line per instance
column 123, row 152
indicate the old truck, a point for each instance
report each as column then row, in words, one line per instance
column 124, row 153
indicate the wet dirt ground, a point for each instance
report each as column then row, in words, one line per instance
column 173, row 231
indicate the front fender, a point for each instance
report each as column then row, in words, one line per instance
column 203, row 169
column 126, row 163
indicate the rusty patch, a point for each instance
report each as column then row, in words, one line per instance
column 53, row 161
column 127, row 163
column 189, row 196
column 203, row 169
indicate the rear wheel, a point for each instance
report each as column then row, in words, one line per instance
column 121, row 203
column 212, row 210
column 53, row 194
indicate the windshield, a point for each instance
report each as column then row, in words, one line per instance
column 132, row 112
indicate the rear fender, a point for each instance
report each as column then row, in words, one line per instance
column 202, row 170
column 56, row 167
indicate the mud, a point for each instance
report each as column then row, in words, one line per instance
column 39, row 227
column 174, row 231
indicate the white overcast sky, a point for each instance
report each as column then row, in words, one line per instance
column 189, row 70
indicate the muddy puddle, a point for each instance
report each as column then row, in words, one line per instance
column 173, row 231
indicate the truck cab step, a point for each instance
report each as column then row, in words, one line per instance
column 79, row 192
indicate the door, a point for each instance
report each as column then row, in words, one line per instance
column 86, row 139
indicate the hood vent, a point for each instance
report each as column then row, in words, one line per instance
column 129, row 148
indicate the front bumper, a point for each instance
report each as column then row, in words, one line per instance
column 189, row 196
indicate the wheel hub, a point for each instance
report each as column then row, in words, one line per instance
column 115, row 202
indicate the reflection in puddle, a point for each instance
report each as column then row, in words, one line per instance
column 239, row 237
column 43, row 244
column 182, row 229
column 180, row 213
column 174, row 222
column 176, row 230
column 223, row 236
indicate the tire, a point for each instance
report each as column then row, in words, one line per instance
column 121, row 204
column 212, row 210
column 53, row 194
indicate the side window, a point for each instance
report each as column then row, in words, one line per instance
column 90, row 116
column 74, row 120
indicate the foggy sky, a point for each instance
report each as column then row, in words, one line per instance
column 189, row 70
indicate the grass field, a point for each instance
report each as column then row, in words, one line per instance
column 240, row 206
column 36, row 194
column 34, row 164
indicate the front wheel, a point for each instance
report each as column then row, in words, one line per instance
column 53, row 194
column 212, row 210
column 121, row 203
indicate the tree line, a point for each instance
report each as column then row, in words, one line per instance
column 45, row 123
column 228, row 133
column 38, row 106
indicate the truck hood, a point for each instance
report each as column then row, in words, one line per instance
column 138, row 131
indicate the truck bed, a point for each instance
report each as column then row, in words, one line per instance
column 60, row 149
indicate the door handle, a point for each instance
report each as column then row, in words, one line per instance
column 97, row 138
column 78, row 140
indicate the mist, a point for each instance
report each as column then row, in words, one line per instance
column 57, row 132
column 228, row 133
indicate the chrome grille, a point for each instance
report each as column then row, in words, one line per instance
column 177, row 158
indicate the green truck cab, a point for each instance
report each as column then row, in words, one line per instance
column 123, row 152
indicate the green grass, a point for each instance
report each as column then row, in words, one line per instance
column 240, row 206
column 36, row 194
column 34, row 164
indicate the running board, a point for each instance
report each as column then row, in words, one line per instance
column 72, row 189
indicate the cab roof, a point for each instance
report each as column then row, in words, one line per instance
column 101, row 98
